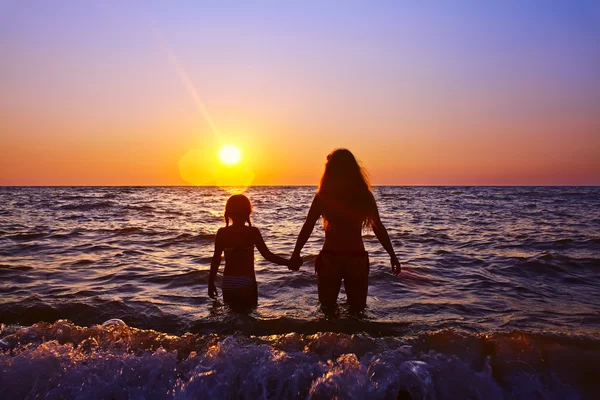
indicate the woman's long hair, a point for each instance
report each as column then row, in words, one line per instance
column 345, row 191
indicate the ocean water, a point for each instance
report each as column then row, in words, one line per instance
column 103, row 294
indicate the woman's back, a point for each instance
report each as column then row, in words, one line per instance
column 345, row 202
column 343, row 227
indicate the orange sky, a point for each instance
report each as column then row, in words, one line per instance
column 90, row 95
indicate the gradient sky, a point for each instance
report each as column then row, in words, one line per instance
column 434, row 93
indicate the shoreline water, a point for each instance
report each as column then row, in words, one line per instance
column 114, row 360
column 497, row 299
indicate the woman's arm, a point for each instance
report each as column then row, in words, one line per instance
column 265, row 252
column 384, row 239
column 311, row 219
column 214, row 265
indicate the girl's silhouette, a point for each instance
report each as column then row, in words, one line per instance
column 237, row 240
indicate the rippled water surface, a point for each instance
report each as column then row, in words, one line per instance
column 494, row 270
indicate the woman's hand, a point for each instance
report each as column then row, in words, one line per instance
column 212, row 289
column 396, row 266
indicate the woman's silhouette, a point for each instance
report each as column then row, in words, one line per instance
column 345, row 202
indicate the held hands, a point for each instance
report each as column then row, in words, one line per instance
column 212, row 289
column 396, row 266
column 295, row 262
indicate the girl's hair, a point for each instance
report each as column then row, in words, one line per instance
column 344, row 190
column 238, row 206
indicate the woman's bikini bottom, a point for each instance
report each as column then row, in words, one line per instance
column 342, row 263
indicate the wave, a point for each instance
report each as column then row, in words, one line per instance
column 143, row 208
column 130, row 231
column 552, row 263
column 15, row 267
column 28, row 236
column 125, row 231
column 87, row 206
column 113, row 360
column 186, row 238
column 192, row 278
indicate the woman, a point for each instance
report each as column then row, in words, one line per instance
column 345, row 202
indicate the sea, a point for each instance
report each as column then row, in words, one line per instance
column 103, row 295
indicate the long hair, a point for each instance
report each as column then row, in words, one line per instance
column 238, row 206
column 344, row 190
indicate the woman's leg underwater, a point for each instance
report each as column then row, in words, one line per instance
column 329, row 280
column 356, row 282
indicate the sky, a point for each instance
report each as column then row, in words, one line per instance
column 423, row 93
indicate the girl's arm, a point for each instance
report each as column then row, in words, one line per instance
column 214, row 265
column 384, row 239
column 311, row 219
column 265, row 252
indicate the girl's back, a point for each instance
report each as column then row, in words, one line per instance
column 237, row 242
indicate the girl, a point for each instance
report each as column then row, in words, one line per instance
column 345, row 202
column 237, row 241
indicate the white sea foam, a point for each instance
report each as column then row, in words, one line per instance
column 63, row 360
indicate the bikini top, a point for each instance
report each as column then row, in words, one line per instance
column 236, row 249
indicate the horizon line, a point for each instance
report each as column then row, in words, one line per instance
column 313, row 185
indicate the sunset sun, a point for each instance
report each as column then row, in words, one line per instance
column 230, row 155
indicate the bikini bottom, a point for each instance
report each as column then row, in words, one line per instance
column 240, row 291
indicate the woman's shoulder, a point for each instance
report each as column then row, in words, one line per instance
column 317, row 200
column 371, row 196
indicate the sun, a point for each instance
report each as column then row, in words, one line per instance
column 230, row 155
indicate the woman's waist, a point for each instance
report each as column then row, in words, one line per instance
column 343, row 246
column 350, row 252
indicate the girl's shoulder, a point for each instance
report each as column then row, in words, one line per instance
column 236, row 230
column 229, row 236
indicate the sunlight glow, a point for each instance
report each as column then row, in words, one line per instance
column 230, row 155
